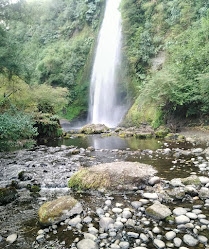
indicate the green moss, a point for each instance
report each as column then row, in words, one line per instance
column 143, row 113
column 161, row 132
column 84, row 180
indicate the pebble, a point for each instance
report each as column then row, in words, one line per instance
column 40, row 238
column 156, row 230
column 170, row 235
column 117, row 210
column 87, row 243
column 159, row 243
column 150, row 195
column 202, row 239
column 182, row 219
column 179, row 211
column 143, row 237
column 136, row 204
column 11, row 238
column 124, row 245
column 190, row 240
column 191, row 215
column 133, row 235
column 177, row 242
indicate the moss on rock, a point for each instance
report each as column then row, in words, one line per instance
column 53, row 212
column 119, row 176
column 7, row 195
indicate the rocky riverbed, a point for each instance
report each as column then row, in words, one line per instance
column 109, row 219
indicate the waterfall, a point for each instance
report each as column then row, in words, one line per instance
column 103, row 105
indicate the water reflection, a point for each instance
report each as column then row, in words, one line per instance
column 99, row 142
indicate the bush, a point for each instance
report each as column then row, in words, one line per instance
column 16, row 129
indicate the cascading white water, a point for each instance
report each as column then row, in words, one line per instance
column 103, row 106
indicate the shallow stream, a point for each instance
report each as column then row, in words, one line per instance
column 52, row 165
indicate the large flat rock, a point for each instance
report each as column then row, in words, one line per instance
column 113, row 176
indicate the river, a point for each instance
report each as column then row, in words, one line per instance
column 51, row 166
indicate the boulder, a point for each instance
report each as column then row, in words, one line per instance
column 7, row 195
column 116, row 176
column 158, row 211
column 53, row 212
column 191, row 180
column 94, row 129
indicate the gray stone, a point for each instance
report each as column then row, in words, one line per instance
column 108, row 202
column 197, row 150
column 158, row 211
column 105, row 222
column 191, row 215
column 176, row 182
column 124, row 245
column 99, row 211
column 74, row 222
column 204, row 180
column 170, row 235
column 154, row 180
column 190, row 240
column 87, row 219
column 177, row 242
column 156, row 230
column 40, row 238
column 150, row 196
column 118, row 225
column 90, row 236
column 130, row 223
column 204, row 193
column 126, row 214
column 87, row 243
column 93, row 230
column 159, row 243
column 204, row 221
column 143, row 237
column 179, row 211
column 114, row 246
column 11, row 238
column 117, row 210
column 182, row 219
column 136, row 204
column 202, row 239
column 133, row 235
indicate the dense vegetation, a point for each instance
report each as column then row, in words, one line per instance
column 179, row 29
column 45, row 57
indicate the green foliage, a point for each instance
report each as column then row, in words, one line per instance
column 34, row 97
column 53, row 43
column 14, row 127
column 48, row 125
column 180, row 28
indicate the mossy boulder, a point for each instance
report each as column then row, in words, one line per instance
column 53, row 212
column 161, row 132
column 158, row 211
column 191, row 180
column 116, row 176
column 7, row 195
column 94, row 129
